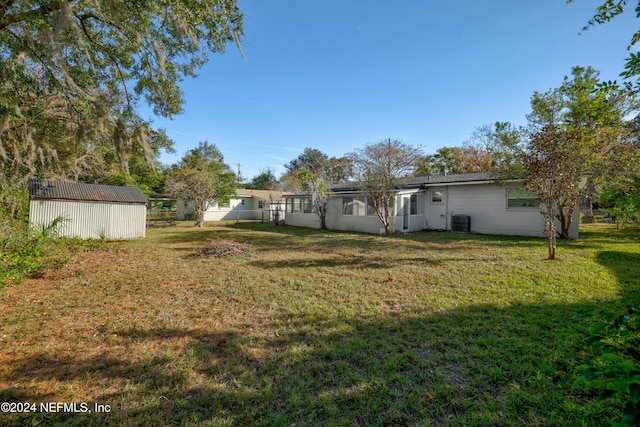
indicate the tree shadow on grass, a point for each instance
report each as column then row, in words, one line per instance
column 626, row 267
column 133, row 384
column 479, row 365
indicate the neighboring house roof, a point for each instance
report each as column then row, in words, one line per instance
column 78, row 191
column 424, row 181
column 266, row 195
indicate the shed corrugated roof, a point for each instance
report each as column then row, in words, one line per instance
column 60, row 190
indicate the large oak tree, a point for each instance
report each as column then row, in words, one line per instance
column 73, row 72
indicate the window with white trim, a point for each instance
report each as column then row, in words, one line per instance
column 371, row 209
column 413, row 201
column 520, row 198
column 295, row 206
column 307, row 206
column 356, row 206
column 437, row 197
column 299, row 205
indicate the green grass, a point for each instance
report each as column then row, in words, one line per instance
column 318, row 328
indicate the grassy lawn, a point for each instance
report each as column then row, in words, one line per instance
column 316, row 328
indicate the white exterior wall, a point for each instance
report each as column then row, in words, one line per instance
column 237, row 210
column 486, row 205
column 337, row 221
column 308, row 220
column 364, row 224
column 91, row 220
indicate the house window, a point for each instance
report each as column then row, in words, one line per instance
column 260, row 204
column 356, row 206
column 519, row 198
column 414, row 205
column 436, row 197
column 307, row 206
column 296, row 206
column 371, row 209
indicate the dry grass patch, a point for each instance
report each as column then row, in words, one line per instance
column 221, row 248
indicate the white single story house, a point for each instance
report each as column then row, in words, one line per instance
column 261, row 205
column 473, row 202
column 88, row 211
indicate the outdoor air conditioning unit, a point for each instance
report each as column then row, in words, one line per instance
column 461, row 223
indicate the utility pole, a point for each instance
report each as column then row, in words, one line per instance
column 239, row 175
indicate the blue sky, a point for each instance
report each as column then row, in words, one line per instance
column 338, row 74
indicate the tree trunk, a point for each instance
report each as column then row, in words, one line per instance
column 565, row 223
column 564, row 233
column 552, row 237
column 552, row 245
column 200, row 219
column 322, row 213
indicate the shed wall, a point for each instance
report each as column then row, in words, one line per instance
column 91, row 220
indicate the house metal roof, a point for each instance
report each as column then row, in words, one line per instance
column 457, row 177
column 61, row 190
column 266, row 195
column 423, row 181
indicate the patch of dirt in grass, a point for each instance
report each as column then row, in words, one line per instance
column 223, row 248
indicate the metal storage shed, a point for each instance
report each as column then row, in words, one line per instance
column 89, row 211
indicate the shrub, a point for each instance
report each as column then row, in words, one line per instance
column 615, row 371
column 34, row 251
